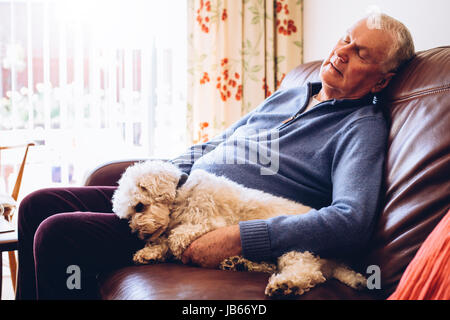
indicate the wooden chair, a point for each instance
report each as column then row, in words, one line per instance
column 9, row 240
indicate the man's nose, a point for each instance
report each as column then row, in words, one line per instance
column 342, row 53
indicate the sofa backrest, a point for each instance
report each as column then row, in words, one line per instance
column 417, row 168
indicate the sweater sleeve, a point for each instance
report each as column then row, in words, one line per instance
column 346, row 224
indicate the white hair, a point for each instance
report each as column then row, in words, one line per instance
column 403, row 49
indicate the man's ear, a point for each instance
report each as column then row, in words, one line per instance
column 383, row 82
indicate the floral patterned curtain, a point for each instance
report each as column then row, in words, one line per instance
column 239, row 52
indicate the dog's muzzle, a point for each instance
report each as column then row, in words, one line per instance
column 182, row 180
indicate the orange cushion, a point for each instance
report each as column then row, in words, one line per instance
column 427, row 276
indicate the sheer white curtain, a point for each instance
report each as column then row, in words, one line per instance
column 90, row 81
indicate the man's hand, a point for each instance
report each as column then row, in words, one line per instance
column 212, row 248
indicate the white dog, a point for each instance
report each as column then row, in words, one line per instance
column 170, row 210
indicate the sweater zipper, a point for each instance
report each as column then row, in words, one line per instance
column 292, row 119
column 286, row 122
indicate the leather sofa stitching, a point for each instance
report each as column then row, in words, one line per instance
column 421, row 93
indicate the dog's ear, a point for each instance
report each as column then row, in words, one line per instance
column 182, row 180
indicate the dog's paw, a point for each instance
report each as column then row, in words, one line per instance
column 359, row 282
column 139, row 258
column 235, row 263
column 283, row 290
column 291, row 282
column 147, row 256
column 279, row 286
column 238, row 263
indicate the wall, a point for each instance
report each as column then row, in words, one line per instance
column 326, row 20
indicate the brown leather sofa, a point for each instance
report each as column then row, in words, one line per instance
column 416, row 197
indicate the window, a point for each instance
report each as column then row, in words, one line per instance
column 90, row 82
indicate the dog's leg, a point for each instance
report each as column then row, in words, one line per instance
column 298, row 273
column 155, row 251
column 182, row 236
column 349, row 277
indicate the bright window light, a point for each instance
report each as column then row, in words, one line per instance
column 90, row 82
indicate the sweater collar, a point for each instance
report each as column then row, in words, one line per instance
column 314, row 88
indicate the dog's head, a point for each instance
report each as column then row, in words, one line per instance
column 145, row 195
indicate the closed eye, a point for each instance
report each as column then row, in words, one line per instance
column 364, row 54
column 360, row 55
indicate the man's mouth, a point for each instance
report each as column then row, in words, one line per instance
column 337, row 70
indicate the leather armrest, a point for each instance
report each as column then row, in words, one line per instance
column 107, row 174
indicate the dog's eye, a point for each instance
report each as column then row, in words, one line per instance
column 139, row 207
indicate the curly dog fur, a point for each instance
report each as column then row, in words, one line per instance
column 171, row 218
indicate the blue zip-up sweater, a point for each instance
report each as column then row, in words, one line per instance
column 330, row 158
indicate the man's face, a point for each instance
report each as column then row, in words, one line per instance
column 355, row 65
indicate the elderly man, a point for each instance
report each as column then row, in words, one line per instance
column 332, row 148
column 331, row 137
